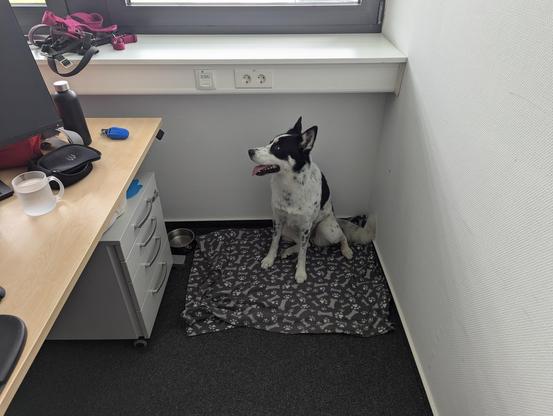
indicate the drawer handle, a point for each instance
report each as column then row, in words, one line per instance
column 148, row 264
column 164, row 269
column 147, row 241
column 150, row 203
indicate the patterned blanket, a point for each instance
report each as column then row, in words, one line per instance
column 228, row 288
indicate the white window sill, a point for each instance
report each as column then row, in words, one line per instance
column 164, row 64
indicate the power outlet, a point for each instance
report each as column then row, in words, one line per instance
column 253, row 78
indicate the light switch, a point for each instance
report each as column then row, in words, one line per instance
column 205, row 79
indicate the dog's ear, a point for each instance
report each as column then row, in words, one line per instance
column 308, row 138
column 297, row 127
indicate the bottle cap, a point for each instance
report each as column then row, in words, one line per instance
column 61, row 86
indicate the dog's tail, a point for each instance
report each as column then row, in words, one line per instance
column 359, row 235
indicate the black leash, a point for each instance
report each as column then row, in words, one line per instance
column 90, row 52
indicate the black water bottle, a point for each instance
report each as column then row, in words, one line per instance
column 70, row 111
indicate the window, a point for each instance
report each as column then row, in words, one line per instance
column 246, row 16
column 29, row 12
column 28, row 2
column 218, row 16
column 241, row 2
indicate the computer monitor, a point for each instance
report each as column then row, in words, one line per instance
column 26, row 107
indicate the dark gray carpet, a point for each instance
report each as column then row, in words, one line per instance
column 236, row 372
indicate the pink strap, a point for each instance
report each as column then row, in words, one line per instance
column 93, row 21
column 118, row 42
column 88, row 22
column 50, row 19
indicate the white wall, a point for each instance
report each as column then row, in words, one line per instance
column 464, row 200
column 202, row 166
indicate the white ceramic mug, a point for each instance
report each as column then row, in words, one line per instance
column 34, row 192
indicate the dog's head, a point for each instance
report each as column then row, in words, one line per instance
column 286, row 152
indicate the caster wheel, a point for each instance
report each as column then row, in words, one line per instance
column 140, row 343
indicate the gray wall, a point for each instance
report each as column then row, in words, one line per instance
column 202, row 166
column 464, row 201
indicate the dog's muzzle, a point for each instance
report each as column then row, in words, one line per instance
column 261, row 170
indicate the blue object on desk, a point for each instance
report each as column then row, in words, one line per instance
column 134, row 188
column 116, row 133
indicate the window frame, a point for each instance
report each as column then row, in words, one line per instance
column 29, row 15
column 211, row 19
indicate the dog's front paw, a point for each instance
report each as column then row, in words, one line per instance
column 267, row 262
column 301, row 275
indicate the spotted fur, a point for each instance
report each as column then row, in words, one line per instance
column 300, row 197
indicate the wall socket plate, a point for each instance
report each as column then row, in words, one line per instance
column 253, row 78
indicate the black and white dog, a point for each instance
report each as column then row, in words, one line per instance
column 302, row 210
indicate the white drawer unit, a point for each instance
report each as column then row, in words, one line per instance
column 119, row 292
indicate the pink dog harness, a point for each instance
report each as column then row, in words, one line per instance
column 77, row 33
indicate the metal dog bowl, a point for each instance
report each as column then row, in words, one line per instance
column 182, row 241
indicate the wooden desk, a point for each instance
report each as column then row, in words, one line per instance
column 41, row 258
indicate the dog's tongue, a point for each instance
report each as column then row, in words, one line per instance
column 257, row 169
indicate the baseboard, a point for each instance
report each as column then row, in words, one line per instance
column 418, row 363
column 205, row 224
column 216, row 219
column 173, row 223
